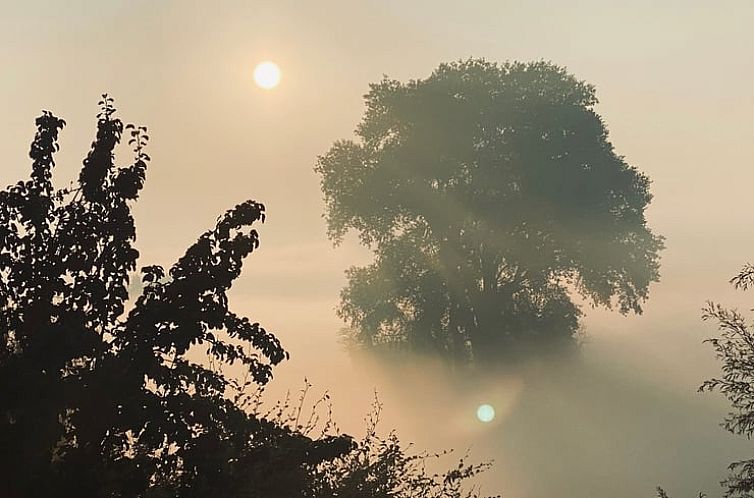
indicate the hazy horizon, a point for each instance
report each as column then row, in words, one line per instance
column 674, row 84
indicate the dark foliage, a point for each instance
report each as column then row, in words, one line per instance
column 103, row 395
column 99, row 394
column 383, row 467
column 735, row 349
column 488, row 194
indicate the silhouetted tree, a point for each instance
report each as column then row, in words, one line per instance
column 99, row 394
column 735, row 349
column 382, row 467
column 376, row 466
column 488, row 193
column 104, row 395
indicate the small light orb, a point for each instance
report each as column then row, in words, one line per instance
column 485, row 413
column 267, row 75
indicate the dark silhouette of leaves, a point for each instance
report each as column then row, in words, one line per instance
column 735, row 349
column 106, row 396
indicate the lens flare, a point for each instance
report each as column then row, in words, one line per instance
column 485, row 413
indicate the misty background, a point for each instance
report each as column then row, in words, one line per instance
column 674, row 83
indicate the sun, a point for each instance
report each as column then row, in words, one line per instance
column 267, row 75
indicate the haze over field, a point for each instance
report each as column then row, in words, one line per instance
column 674, row 83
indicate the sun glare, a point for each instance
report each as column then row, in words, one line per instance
column 267, row 75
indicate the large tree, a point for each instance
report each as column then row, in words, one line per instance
column 106, row 396
column 489, row 194
column 109, row 395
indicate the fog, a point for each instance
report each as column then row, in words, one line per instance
column 674, row 82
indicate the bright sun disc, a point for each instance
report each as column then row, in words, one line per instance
column 267, row 75
column 485, row 413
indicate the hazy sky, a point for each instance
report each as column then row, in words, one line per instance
column 674, row 79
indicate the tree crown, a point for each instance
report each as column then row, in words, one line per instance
column 483, row 176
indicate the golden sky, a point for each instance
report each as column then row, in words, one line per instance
column 674, row 79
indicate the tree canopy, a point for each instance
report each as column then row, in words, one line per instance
column 99, row 393
column 106, row 394
column 489, row 194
